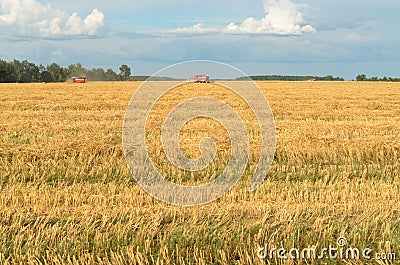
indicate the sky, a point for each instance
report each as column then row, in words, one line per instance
column 287, row 37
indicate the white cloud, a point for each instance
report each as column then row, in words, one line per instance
column 29, row 17
column 196, row 29
column 282, row 17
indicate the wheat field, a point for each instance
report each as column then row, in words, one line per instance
column 67, row 196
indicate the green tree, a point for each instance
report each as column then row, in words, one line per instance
column 16, row 70
column 59, row 74
column 361, row 77
column 329, row 78
column 125, row 72
column 29, row 72
column 111, row 75
column 47, row 77
column 96, row 74
column 5, row 74
column 76, row 70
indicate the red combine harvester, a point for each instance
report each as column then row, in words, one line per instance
column 79, row 79
column 200, row 79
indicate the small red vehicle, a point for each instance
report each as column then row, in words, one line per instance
column 200, row 79
column 79, row 79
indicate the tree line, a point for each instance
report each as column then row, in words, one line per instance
column 363, row 77
column 360, row 78
column 26, row 72
column 291, row 78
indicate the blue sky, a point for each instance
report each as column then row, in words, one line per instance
column 298, row 37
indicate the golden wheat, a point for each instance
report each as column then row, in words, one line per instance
column 67, row 196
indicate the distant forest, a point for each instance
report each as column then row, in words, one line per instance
column 292, row 78
column 26, row 72
column 364, row 77
column 359, row 78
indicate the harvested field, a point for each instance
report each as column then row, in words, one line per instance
column 67, row 196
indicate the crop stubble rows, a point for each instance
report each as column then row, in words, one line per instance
column 67, row 195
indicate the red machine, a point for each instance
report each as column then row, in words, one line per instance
column 79, row 79
column 200, row 79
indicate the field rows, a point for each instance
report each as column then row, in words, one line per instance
column 67, row 196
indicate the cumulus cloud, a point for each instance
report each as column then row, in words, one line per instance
column 29, row 17
column 282, row 17
column 196, row 29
